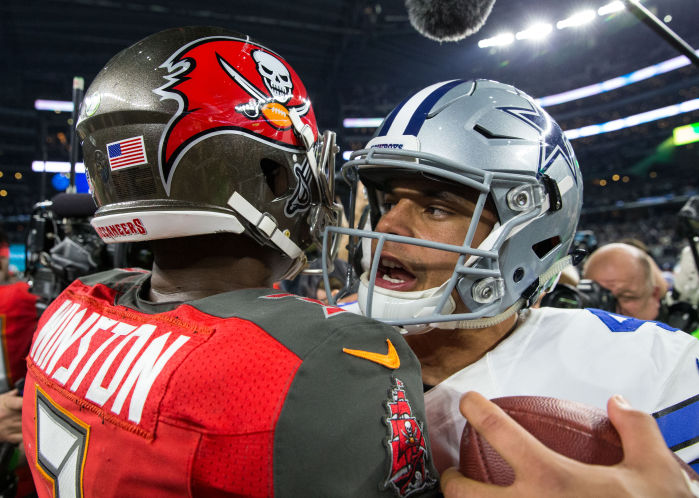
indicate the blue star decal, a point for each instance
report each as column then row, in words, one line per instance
column 553, row 142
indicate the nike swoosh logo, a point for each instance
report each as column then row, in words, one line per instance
column 388, row 360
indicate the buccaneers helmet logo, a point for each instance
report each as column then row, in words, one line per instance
column 407, row 446
column 229, row 85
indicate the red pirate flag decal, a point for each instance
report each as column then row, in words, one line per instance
column 229, row 85
column 407, row 446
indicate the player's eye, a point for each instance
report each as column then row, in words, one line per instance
column 386, row 205
column 628, row 298
column 437, row 211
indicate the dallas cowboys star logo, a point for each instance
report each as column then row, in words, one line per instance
column 553, row 144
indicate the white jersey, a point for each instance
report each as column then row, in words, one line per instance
column 585, row 356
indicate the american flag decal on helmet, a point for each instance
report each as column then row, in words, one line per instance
column 127, row 152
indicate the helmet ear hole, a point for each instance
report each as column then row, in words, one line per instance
column 543, row 247
column 276, row 176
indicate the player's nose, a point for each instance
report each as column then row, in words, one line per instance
column 399, row 219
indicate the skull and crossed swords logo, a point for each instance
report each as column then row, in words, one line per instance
column 278, row 81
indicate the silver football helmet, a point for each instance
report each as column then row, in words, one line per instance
column 493, row 139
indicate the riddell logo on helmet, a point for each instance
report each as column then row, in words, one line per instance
column 387, row 146
column 133, row 227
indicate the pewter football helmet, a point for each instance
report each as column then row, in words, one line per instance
column 201, row 130
column 493, row 139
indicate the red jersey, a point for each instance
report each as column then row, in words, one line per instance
column 250, row 392
column 18, row 319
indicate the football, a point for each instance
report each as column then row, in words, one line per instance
column 573, row 429
column 276, row 114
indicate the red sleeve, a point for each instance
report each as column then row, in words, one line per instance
column 18, row 319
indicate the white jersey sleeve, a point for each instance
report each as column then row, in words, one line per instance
column 585, row 356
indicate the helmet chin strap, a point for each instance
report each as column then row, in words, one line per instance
column 388, row 304
column 305, row 134
column 266, row 226
column 478, row 323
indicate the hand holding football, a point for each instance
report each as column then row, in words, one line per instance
column 573, row 429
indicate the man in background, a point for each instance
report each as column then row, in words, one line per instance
column 628, row 273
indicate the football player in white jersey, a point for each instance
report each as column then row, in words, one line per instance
column 475, row 195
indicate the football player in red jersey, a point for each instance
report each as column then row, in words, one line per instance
column 197, row 378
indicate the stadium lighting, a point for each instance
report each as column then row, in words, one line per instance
column 535, row 32
column 636, row 119
column 361, row 122
column 56, row 167
column 686, row 134
column 497, row 41
column 619, row 81
column 611, row 8
column 53, row 105
column 644, row 74
column 578, row 19
column 609, row 126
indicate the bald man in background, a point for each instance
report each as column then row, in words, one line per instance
column 627, row 272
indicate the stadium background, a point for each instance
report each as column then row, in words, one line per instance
column 358, row 59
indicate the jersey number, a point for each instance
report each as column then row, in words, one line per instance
column 620, row 323
column 61, row 447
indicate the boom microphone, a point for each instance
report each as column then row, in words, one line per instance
column 73, row 205
column 448, row 20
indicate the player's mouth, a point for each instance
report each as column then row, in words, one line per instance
column 392, row 275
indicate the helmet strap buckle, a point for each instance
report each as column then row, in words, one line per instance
column 265, row 225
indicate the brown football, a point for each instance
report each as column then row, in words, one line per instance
column 573, row 429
